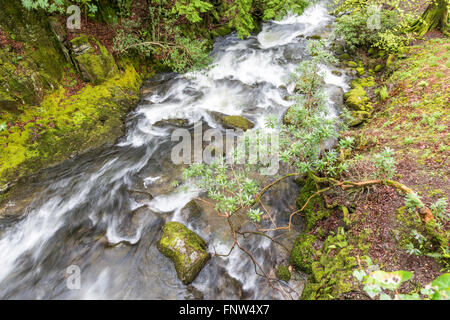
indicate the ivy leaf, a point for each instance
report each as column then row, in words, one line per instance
column 372, row 290
column 389, row 280
column 359, row 274
column 441, row 285
column 412, row 296
column 384, row 296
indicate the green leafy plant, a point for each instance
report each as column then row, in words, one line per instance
column 385, row 162
column 384, row 285
column 354, row 29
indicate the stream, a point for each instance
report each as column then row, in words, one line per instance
column 94, row 213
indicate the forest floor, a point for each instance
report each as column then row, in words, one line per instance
column 413, row 121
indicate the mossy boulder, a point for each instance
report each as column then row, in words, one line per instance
column 363, row 82
column 185, row 248
column 303, row 252
column 283, row 273
column 237, row 122
column 93, row 60
column 356, row 98
column 345, row 56
column 352, row 64
column 32, row 61
column 233, row 122
column 359, row 117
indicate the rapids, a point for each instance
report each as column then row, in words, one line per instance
column 86, row 212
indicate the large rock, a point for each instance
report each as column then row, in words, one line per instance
column 356, row 99
column 185, row 248
column 233, row 122
column 93, row 60
column 31, row 60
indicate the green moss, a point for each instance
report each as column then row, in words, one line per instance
column 283, row 273
column 186, row 249
column 94, row 67
column 345, row 56
column 331, row 275
column 358, row 117
column 360, row 71
column 352, row 64
column 63, row 126
column 356, row 98
column 363, row 82
column 303, row 253
column 237, row 122
column 315, row 209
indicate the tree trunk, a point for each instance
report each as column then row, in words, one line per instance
column 435, row 16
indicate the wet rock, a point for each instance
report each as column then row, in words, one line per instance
column 185, row 248
column 314, row 37
column 132, row 222
column 93, row 60
column 227, row 286
column 172, row 122
column 336, row 95
column 233, row 122
column 191, row 210
column 193, row 293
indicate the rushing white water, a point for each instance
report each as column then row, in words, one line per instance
column 86, row 213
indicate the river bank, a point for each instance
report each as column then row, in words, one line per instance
column 375, row 228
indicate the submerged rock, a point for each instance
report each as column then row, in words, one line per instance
column 185, row 248
column 172, row 122
column 191, row 210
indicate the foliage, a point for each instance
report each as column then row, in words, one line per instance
column 385, row 162
column 367, row 27
column 191, row 9
column 385, row 285
column 439, row 209
column 162, row 39
column 413, row 202
column 51, row 6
